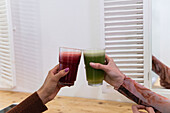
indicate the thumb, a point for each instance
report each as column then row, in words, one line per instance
column 98, row 66
column 62, row 73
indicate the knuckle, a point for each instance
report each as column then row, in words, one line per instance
column 98, row 65
column 61, row 72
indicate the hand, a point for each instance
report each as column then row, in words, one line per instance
column 113, row 75
column 136, row 108
column 51, row 86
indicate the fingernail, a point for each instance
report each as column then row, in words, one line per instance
column 67, row 69
column 92, row 64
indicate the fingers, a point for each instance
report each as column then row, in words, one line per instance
column 138, row 107
column 98, row 66
column 135, row 108
column 101, row 66
column 150, row 110
column 55, row 69
column 62, row 73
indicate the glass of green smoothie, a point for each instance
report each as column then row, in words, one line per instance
column 95, row 77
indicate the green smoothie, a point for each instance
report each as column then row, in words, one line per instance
column 95, row 77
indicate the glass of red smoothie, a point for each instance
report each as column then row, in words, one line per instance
column 69, row 58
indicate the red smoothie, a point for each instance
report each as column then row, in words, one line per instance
column 69, row 60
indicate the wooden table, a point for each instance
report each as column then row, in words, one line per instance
column 63, row 104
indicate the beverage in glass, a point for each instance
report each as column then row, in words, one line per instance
column 95, row 77
column 69, row 58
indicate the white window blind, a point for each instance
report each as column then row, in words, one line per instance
column 126, row 32
column 7, row 68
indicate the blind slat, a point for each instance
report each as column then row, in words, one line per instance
column 122, row 2
column 6, row 66
column 121, row 42
column 7, row 78
column 123, row 17
column 124, row 37
column 123, row 7
column 124, row 32
column 124, row 12
column 129, row 56
column 130, row 66
column 118, row 28
column 124, row 23
column 6, row 70
column 114, row 47
column 129, row 61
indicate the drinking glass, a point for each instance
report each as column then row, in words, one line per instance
column 95, row 77
column 69, row 58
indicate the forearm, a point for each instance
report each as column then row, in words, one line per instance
column 159, row 68
column 32, row 104
column 144, row 96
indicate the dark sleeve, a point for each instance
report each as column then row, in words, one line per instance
column 32, row 104
column 143, row 96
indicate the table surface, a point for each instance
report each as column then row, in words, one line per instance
column 63, row 104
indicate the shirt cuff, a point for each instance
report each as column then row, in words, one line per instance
column 116, row 88
column 40, row 104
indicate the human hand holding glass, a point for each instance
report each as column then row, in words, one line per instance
column 51, row 86
column 113, row 75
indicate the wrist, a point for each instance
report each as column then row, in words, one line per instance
column 119, row 81
column 42, row 96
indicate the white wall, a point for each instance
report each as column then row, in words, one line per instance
column 66, row 23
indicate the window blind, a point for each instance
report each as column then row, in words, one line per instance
column 126, row 36
column 7, row 67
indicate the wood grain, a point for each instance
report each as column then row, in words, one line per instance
column 63, row 104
